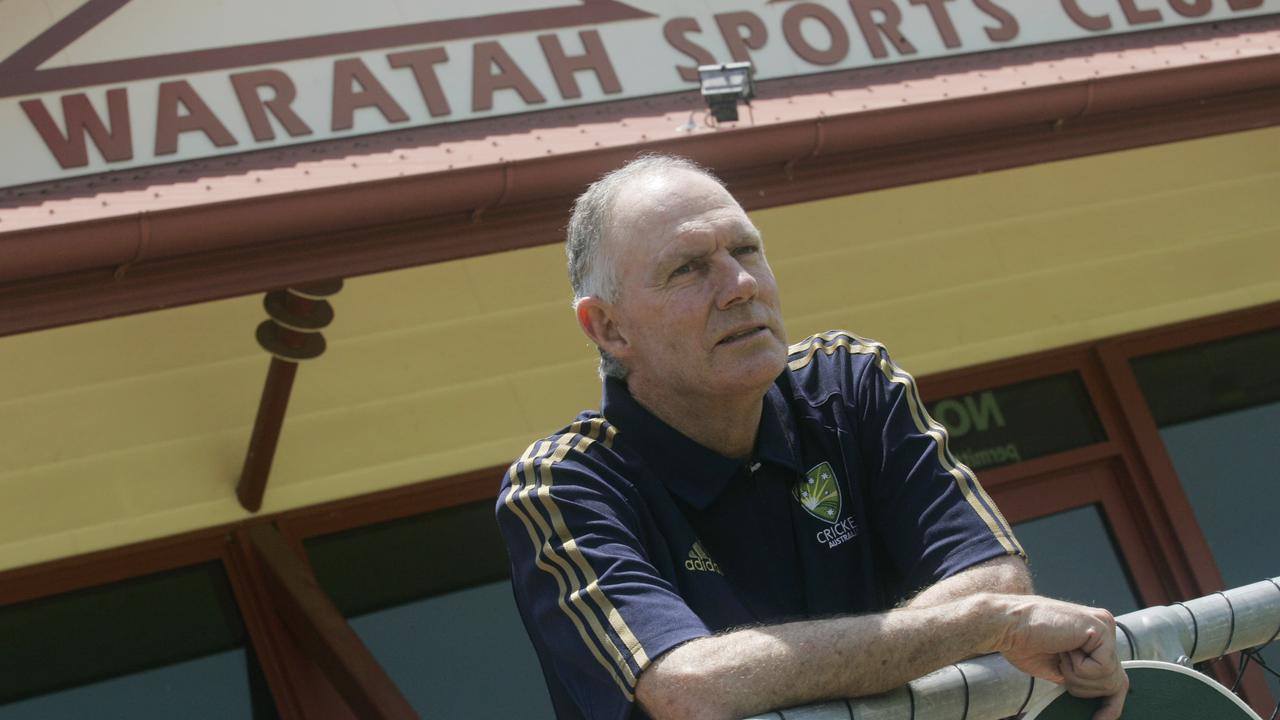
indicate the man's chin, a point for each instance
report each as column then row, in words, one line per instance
column 758, row 369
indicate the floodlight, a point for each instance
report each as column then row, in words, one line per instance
column 724, row 85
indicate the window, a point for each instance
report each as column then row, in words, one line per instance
column 1217, row 407
column 430, row 596
column 1073, row 557
column 166, row 645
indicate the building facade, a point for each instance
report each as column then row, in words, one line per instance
column 1063, row 221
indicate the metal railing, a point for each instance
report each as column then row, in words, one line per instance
column 989, row 688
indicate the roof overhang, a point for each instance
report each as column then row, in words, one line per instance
column 132, row 241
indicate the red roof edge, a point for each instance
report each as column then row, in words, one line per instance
column 296, row 225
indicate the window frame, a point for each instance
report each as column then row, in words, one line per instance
column 1167, row 554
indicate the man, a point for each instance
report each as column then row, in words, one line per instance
column 747, row 526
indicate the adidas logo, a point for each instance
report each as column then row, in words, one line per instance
column 700, row 560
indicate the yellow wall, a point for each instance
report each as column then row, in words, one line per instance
column 135, row 428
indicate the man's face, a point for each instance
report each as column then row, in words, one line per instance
column 697, row 304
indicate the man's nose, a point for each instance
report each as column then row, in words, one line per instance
column 737, row 284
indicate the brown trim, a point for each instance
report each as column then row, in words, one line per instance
column 1195, row 331
column 322, row 631
column 1006, row 371
column 392, row 504
column 66, row 274
column 20, row 74
column 107, row 566
column 256, row 611
column 1191, row 571
column 302, row 687
column 1014, row 475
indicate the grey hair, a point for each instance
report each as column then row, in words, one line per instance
column 590, row 271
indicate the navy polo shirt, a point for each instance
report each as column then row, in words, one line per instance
column 628, row 538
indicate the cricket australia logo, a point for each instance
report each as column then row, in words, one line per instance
column 819, row 495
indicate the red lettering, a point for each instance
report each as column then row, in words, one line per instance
column 1136, row 15
column 255, row 108
column 346, row 99
column 79, row 117
column 887, row 26
column 1194, row 8
column 175, row 96
column 565, row 67
column 740, row 46
column 942, row 21
column 675, row 31
column 485, row 82
column 423, row 64
column 1008, row 28
column 797, row 14
column 1095, row 23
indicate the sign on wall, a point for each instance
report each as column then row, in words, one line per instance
column 101, row 85
column 1015, row 423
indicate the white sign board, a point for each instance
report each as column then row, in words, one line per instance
column 97, row 85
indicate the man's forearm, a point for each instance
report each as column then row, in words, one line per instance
column 1006, row 574
column 756, row 669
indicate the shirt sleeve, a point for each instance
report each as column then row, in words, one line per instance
column 934, row 517
column 595, row 607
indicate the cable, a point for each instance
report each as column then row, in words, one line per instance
column 1231, row 633
column 1026, row 699
column 1256, row 655
column 1195, row 631
column 1244, row 665
column 1133, row 644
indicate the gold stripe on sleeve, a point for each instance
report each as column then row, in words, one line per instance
column 539, row 465
column 543, row 549
column 616, row 621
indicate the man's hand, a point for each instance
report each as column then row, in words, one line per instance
column 1072, row 645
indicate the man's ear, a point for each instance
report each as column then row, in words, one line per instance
column 597, row 320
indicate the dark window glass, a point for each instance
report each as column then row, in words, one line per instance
column 1211, row 379
column 156, row 646
column 1019, row 422
column 1218, row 409
column 1073, row 557
column 389, row 564
column 430, row 597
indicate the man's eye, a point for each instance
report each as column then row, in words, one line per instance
column 745, row 250
column 685, row 268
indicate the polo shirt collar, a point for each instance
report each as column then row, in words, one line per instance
column 690, row 470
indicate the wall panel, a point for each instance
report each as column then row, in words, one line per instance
column 132, row 428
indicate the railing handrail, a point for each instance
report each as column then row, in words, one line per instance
column 989, row 688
